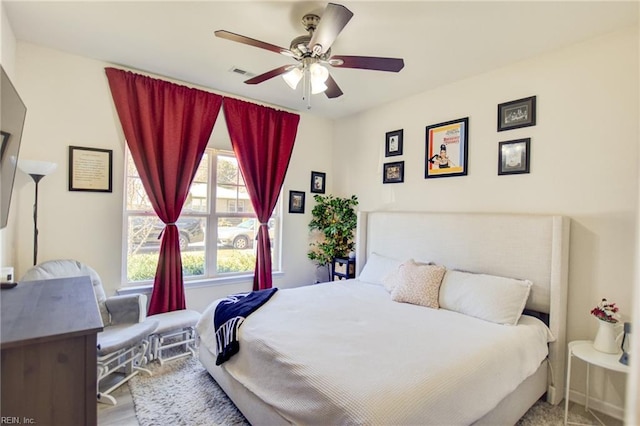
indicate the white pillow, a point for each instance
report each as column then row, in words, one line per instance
column 378, row 267
column 491, row 298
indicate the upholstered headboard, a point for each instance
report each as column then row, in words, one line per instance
column 533, row 247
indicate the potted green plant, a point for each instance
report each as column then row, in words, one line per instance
column 335, row 220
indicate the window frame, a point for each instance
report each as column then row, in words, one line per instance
column 210, row 220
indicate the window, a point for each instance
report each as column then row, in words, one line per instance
column 236, row 206
column 217, row 227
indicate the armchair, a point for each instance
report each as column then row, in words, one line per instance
column 123, row 343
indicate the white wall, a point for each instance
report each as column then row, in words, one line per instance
column 584, row 164
column 633, row 385
column 69, row 103
column 7, row 44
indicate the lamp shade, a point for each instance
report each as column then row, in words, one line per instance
column 293, row 77
column 319, row 74
column 40, row 168
column 317, row 87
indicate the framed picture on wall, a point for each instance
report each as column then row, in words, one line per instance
column 393, row 143
column 296, row 202
column 446, row 149
column 513, row 156
column 516, row 114
column 318, row 182
column 393, row 172
column 90, row 169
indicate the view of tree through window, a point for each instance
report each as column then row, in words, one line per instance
column 217, row 226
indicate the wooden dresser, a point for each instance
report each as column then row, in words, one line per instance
column 48, row 344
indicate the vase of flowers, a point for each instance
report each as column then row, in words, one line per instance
column 607, row 315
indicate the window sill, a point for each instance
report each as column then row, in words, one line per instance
column 205, row 282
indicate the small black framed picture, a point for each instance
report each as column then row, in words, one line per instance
column 516, row 114
column 393, row 145
column 393, row 172
column 318, row 182
column 296, row 201
column 513, row 156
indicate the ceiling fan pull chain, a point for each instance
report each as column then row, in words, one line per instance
column 307, row 86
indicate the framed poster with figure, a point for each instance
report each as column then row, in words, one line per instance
column 446, row 149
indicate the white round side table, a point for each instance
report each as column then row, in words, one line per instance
column 584, row 350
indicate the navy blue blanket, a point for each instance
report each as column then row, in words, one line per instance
column 229, row 315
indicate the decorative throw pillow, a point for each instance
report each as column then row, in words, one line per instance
column 488, row 297
column 391, row 280
column 418, row 284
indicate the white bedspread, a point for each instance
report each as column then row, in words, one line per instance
column 344, row 353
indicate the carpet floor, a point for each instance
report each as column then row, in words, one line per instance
column 182, row 392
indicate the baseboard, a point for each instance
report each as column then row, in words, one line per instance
column 598, row 405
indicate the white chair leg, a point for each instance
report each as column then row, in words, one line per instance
column 153, row 345
column 131, row 359
column 106, row 399
column 187, row 341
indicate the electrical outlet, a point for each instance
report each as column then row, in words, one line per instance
column 7, row 274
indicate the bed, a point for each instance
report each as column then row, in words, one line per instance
column 346, row 353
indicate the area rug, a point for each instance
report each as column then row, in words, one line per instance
column 182, row 392
column 543, row 413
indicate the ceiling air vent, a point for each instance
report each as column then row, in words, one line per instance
column 242, row 72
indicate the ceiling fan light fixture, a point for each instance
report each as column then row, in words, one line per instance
column 293, row 77
column 318, row 87
column 318, row 73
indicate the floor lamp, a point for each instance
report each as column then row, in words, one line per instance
column 37, row 170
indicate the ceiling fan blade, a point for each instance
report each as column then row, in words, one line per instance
column 253, row 42
column 334, row 19
column 270, row 74
column 367, row 63
column 333, row 91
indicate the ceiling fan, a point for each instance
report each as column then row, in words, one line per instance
column 313, row 52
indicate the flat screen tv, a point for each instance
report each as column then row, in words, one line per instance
column 12, row 115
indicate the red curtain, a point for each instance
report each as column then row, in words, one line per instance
column 262, row 140
column 167, row 127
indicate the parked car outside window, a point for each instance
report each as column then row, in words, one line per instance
column 146, row 230
column 241, row 236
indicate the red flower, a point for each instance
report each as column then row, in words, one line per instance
column 606, row 311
